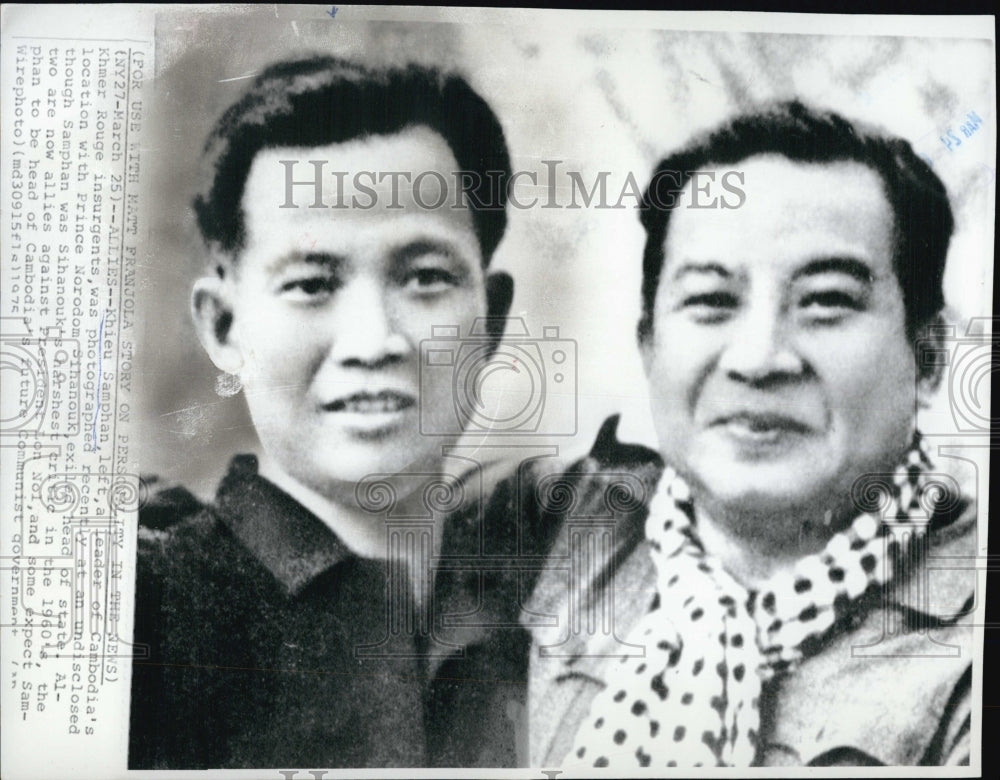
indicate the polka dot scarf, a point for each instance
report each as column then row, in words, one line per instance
column 692, row 700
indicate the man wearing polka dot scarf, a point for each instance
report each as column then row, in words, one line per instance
column 772, row 601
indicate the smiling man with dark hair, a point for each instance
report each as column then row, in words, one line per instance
column 295, row 621
column 778, row 603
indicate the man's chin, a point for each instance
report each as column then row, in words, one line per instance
column 354, row 465
column 759, row 488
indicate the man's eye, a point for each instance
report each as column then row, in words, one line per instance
column 308, row 287
column 430, row 280
column 830, row 303
column 710, row 306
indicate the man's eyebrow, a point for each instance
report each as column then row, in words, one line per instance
column 325, row 259
column 708, row 267
column 851, row 266
column 426, row 246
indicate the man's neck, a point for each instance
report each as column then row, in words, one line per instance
column 362, row 532
column 754, row 548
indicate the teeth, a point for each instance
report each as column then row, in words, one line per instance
column 376, row 404
column 370, row 405
column 381, row 402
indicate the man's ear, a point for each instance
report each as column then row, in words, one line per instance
column 932, row 356
column 499, row 295
column 212, row 312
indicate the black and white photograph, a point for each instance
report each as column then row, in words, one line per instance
column 495, row 392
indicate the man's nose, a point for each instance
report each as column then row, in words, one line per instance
column 366, row 327
column 761, row 347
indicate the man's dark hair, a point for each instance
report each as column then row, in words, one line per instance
column 322, row 100
column 923, row 220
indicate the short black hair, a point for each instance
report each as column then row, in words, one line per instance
column 923, row 220
column 322, row 100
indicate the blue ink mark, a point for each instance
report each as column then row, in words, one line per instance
column 100, row 367
column 969, row 125
column 950, row 140
column 332, row 12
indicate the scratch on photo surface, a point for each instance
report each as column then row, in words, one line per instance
column 186, row 409
column 701, row 78
column 239, row 78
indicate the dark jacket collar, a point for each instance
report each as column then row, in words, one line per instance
column 289, row 540
column 477, row 577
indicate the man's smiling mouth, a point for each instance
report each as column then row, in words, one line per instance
column 367, row 402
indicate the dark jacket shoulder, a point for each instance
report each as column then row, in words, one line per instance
column 197, row 593
column 611, row 486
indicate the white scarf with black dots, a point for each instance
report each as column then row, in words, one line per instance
column 692, row 700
